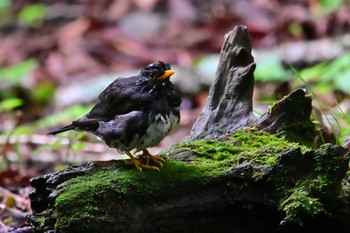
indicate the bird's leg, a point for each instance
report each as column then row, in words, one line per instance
column 155, row 159
column 138, row 164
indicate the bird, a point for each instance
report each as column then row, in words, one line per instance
column 134, row 113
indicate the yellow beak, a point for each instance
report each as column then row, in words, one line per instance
column 166, row 74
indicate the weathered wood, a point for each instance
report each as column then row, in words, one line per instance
column 290, row 117
column 229, row 105
column 238, row 181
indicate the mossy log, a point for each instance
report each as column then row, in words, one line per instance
column 234, row 173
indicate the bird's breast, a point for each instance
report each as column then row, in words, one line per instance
column 159, row 127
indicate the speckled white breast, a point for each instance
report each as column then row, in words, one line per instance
column 160, row 127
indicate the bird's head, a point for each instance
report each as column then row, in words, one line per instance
column 157, row 71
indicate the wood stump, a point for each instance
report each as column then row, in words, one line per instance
column 233, row 173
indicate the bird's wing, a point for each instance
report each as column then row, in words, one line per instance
column 120, row 97
column 124, row 127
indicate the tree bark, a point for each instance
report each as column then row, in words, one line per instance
column 223, row 178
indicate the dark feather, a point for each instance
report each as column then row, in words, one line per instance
column 63, row 129
column 121, row 97
column 80, row 125
column 86, row 125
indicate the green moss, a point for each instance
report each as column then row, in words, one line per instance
column 43, row 219
column 304, row 200
column 83, row 197
column 260, row 148
column 216, row 157
column 299, row 204
column 303, row 132
column 318, row 192
column 346, row 184
column 150, row 183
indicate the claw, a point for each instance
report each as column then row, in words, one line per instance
column 140, row 165
column 158, row 160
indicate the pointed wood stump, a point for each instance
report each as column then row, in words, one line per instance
column 224, row 177
column 229, row 105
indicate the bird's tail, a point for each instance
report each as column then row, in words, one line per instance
column 63, row 129
column 85, row 125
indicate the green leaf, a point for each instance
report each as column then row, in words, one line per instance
column 78, row 146
column 5, row 12
column 314, row 72
column 340, row 64
column 44, row 93
column 328, row 6
column 329, row 76
column 25, row 130
column 72, row 113
column 295, row 29
column 342, row 81
column 4, row 3
column 60, row 167
column 57, row 145
column 15, row 73
column 270, row 69
column 42, row 148
column 10, row 104
column 33, row 15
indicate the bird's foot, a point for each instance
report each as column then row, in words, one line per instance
column 139, row 166
column 158, row 160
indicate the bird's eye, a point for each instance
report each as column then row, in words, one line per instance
column 153, row 75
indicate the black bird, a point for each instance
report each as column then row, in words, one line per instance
column 134, row 113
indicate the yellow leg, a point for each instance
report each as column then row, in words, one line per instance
column 138, row 164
